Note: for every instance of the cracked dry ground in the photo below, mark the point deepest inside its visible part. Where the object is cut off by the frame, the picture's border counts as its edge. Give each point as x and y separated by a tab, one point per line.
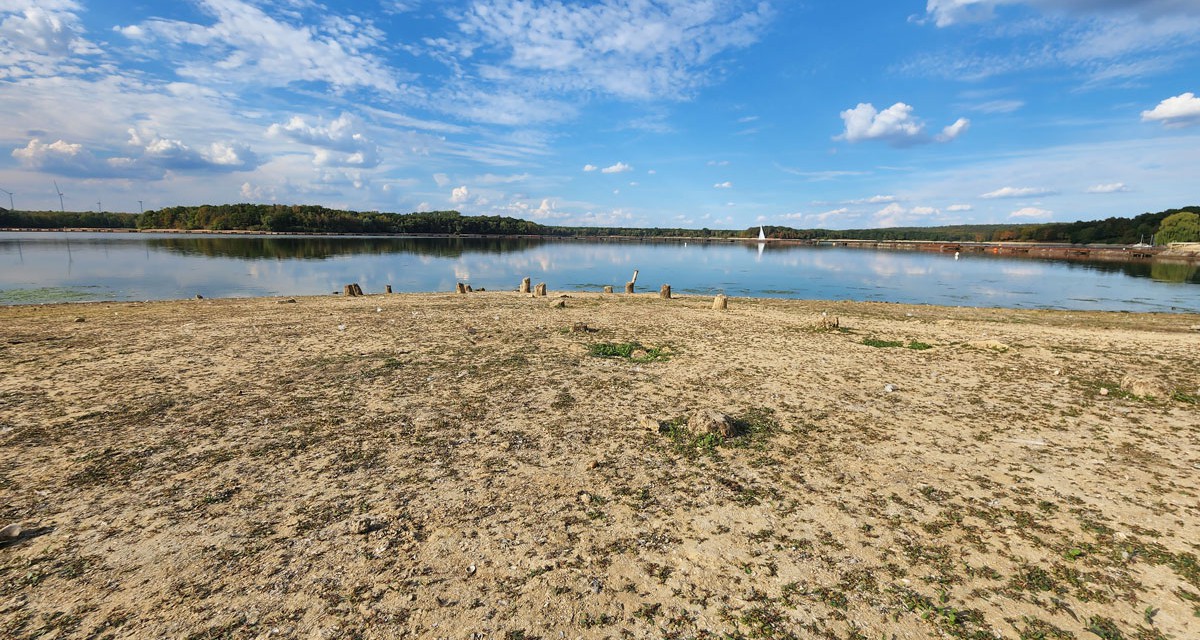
464	467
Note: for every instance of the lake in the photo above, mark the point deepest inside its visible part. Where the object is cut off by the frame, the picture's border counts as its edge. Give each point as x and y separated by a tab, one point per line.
57	266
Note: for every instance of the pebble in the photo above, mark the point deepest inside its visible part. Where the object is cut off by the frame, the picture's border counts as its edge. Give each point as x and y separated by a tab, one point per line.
471	570
890	388
11	532
79	320
1103	391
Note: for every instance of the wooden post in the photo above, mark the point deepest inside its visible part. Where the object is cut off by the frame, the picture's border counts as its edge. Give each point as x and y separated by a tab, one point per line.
460	287
665	292
540	290
525	285
469	289
608	289
720	303
357	289
348	291
387	289
628	287
633	280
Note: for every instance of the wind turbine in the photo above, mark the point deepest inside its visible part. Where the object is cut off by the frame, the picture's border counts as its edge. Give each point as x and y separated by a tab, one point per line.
10	200
61	206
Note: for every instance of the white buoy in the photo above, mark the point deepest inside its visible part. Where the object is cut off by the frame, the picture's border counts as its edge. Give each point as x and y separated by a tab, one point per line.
956	255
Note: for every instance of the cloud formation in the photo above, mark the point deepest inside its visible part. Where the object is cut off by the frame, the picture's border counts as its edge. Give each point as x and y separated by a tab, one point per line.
340	143
1031	212
1112	187
246	44
895	125
1175	112
619	167
630	49
1016	192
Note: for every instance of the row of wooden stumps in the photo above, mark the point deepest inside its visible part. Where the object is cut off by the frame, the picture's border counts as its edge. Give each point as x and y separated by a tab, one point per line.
352	290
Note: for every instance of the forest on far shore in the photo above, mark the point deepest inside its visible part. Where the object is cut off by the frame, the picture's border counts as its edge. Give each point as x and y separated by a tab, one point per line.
1183	225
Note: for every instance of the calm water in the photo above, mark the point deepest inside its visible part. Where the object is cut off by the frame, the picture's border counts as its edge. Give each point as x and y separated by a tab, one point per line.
47	267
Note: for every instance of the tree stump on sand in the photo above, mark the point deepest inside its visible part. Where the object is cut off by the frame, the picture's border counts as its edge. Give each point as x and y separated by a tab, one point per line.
348	291
628	287
721	302
387	289
665	292
357	289
525	285
828	323
460	287
469	289
540	290
608	289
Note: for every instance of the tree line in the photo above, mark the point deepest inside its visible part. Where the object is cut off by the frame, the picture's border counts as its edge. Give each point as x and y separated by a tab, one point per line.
1172	225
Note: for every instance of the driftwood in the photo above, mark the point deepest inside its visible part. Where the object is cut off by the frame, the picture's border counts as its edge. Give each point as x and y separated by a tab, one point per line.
665	292
525	285
721	302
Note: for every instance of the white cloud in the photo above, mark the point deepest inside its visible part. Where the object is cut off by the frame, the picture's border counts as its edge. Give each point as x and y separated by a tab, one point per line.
1177	111
876	199
626	48
949	12
1112	187
175	155
925	211
997	106
246	44
441	179
959	207
953	131
895	125
619	167
723	185
1016	192
460	195
590	167
717	163
1031	212
341	143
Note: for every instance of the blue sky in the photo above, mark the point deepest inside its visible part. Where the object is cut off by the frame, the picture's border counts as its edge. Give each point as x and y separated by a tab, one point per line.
709	113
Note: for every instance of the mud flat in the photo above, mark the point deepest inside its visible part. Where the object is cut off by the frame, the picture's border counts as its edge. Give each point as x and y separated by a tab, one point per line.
489	466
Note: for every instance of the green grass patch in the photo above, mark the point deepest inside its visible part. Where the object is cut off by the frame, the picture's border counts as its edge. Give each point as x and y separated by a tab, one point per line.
633	351
896	344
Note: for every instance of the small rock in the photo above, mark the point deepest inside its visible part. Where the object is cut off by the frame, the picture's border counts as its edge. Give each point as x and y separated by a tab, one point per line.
890	388
650	424
79	320
1103	391
11	532
1144	386
341	327
199	297
559	304
288	301
708	421
362	526
471	570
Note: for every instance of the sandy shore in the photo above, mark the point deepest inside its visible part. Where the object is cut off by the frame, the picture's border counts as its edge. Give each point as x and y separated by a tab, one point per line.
463	466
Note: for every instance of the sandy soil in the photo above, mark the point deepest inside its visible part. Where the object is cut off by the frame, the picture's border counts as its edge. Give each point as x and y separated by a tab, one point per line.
463	466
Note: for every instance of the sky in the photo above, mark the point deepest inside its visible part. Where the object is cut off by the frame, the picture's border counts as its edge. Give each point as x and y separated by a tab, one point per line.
650	113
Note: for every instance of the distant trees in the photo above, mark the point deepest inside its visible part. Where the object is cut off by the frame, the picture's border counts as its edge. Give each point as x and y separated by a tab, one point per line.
1172	225
1179	227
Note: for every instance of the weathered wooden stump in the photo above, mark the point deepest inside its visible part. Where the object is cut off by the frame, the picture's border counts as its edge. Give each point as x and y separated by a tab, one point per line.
559	304
460	287
469	289
525	285
828	323
540	290
387	289
357	289
348	291
665	292
628	287
721	302
608	289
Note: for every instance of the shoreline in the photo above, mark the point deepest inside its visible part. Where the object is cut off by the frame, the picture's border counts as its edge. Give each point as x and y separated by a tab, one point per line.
1185	253
418	465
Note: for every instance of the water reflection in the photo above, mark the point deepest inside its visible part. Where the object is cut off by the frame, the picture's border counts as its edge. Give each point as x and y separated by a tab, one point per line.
145	266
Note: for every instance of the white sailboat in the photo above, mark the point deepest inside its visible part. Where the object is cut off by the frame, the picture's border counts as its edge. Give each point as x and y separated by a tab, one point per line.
762	237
